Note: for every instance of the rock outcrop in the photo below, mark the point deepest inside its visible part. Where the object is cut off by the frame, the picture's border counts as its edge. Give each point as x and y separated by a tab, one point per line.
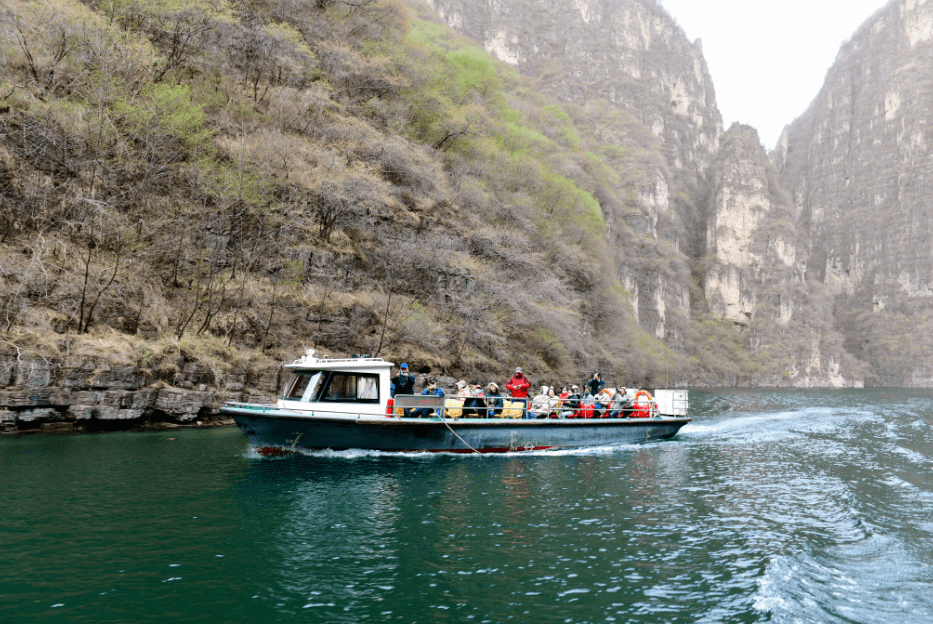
755	273
37	393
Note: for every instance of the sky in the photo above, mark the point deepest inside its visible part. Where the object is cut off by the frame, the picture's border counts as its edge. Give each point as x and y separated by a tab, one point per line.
768	58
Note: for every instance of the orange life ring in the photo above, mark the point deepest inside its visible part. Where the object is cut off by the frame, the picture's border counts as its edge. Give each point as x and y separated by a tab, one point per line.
642	408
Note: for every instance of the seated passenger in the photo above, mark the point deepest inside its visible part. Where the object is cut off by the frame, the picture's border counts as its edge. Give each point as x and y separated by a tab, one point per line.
494	400
587	406
628	402
553	404
430	390
603	403
540	405
571	403
474	406
618	404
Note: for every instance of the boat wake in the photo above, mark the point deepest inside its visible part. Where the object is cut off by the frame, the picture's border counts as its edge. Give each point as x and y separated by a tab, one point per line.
363	454
769	427
875	580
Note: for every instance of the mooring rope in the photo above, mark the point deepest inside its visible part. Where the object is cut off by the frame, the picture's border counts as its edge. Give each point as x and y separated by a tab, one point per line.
444	420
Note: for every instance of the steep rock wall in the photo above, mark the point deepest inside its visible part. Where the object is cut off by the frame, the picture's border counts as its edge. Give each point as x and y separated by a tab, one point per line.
858	163
755	273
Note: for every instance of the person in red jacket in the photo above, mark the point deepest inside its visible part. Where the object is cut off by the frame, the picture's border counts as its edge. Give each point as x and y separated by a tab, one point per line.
518	385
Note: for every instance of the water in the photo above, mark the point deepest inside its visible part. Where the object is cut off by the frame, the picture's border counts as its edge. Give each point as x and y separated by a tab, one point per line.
781	506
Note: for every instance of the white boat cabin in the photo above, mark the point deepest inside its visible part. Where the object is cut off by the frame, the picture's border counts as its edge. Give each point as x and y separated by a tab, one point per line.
346	387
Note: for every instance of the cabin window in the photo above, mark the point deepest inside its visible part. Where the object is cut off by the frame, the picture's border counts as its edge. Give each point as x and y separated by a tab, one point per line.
304	386
352	388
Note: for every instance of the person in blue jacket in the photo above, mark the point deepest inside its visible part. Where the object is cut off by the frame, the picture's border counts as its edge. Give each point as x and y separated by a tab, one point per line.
403	383
431	390
595	384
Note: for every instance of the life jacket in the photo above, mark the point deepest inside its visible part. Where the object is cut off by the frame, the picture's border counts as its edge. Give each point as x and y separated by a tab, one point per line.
585	411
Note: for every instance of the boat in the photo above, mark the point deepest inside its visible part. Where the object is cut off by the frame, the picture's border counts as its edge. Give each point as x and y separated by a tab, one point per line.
343	404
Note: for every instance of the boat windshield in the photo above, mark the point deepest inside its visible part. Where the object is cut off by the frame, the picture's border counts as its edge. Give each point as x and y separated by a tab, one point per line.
336	386
304	385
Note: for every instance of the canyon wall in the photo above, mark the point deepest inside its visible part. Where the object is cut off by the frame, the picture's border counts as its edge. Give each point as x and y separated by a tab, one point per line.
859	163
755	273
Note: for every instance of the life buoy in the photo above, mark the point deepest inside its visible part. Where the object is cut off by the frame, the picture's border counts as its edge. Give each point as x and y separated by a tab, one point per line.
642	405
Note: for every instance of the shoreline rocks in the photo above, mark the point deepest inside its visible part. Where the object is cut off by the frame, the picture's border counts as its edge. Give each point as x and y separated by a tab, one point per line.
92	395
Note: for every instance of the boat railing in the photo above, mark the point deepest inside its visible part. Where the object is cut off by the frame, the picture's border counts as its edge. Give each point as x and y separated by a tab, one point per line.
456	406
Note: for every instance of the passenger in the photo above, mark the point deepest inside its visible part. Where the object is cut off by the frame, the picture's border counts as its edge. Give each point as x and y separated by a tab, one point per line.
571	403
518	385
553	404
494	400
603	402
430	390
474	405
562	401
595	384
587	406
540	405
617	404
628	401
404	383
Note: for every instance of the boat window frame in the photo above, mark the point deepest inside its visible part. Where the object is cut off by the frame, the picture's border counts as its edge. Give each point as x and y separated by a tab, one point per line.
334	375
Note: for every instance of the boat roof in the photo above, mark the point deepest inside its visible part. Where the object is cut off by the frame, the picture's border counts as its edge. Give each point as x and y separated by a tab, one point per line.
311	361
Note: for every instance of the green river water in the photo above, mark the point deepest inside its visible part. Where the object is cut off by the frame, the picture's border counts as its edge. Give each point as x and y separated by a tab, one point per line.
783	506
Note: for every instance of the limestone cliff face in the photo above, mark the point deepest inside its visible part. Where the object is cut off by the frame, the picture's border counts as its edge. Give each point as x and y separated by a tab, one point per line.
858	163
743	232
632	55
755	273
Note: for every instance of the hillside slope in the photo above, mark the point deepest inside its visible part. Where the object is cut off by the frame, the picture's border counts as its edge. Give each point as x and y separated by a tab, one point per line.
231	183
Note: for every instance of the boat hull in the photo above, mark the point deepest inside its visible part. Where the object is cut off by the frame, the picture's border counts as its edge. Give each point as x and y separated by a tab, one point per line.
274	431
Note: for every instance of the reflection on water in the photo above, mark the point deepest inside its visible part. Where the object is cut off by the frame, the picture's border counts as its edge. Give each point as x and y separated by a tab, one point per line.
778	506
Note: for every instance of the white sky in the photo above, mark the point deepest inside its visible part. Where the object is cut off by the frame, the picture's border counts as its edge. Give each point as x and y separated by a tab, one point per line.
768	58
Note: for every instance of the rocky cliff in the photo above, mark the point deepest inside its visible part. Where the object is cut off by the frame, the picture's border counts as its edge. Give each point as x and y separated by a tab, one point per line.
858	163
755	273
